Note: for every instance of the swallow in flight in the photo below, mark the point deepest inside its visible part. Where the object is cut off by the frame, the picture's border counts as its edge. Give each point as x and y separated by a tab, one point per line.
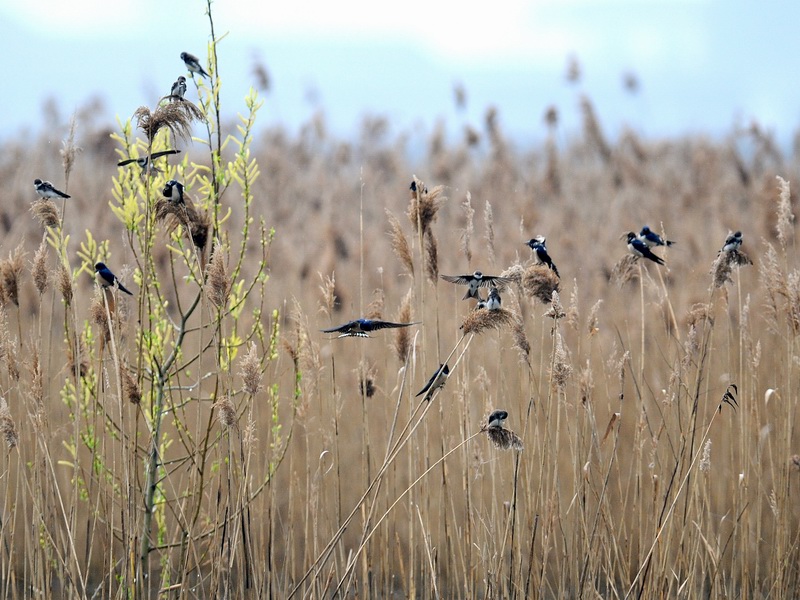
436	381
475	281
639	249
146	162
105	278
361	327
46	190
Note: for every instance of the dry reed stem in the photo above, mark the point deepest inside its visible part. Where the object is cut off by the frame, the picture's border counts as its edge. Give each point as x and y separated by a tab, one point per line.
7	426
39	271
400	245
423	205
402	336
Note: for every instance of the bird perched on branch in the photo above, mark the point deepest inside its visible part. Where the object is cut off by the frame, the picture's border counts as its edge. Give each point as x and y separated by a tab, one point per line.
105	278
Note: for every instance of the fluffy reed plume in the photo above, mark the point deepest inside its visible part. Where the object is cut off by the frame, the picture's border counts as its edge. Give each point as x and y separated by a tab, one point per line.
785	217
250	370
431	257
469	228
592	323
400	244
518	330
7	426
376	306
591	129
366	379
424	205
36	383
556	310
705	458
573	314
723	265
539	281
328	289
488	216
97	313
226	412
794	462
402	336
45	211
130	387
218	284
69	150
793	301
503	439
83	355
176	117
41	275
307	354
195	223
10	273
8	347
624	271
65	283
560	370
482	319
515	273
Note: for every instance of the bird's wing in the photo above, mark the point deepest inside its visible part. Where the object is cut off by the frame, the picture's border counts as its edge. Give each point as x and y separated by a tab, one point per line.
122	163
459	279
344	327
156	155
387	324
494	281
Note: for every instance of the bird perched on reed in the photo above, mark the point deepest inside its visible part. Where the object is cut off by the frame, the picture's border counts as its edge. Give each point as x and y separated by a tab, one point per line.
46	190
639	249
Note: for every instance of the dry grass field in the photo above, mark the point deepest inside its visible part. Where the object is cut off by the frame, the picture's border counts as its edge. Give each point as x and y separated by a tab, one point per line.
202	437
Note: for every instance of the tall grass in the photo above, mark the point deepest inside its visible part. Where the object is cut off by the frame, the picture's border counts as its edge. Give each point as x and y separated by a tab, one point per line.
203	438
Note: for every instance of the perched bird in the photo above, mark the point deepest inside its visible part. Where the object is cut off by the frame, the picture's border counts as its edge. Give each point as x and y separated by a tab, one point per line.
105	278
178	88
493	301
436	381
651	238
46	190
360	327
496	418
193	64
640	249
173	191
475	281
539	248
146	163
732	242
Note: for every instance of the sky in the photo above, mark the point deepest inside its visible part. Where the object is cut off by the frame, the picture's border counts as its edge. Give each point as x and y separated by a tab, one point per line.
703	66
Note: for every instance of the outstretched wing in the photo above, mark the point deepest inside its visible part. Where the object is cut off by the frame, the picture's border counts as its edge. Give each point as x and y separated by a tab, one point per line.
340	328
164	153
459	279
494	281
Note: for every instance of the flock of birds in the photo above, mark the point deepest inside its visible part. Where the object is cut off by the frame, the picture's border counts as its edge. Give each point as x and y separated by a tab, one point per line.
639	245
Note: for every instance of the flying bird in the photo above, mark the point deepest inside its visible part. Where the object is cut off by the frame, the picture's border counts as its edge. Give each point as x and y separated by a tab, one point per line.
193	64
732	242
46	190
651	238
173	191
496	419
436	381
493	301
105	278
539	248
638	248
475	281
146	163
361	327
178	88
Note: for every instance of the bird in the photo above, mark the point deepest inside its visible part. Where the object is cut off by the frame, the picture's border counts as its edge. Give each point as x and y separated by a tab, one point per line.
732	242
173	191
146	163
436	381
475	281
193	64
539	248
493	301
46	190
361	327
178	88
639	248
105	278
651	238
496	419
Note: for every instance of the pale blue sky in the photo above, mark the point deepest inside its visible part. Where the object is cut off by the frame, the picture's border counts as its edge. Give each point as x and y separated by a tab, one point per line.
703	65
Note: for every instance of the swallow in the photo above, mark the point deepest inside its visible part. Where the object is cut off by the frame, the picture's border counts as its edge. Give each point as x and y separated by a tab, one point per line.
639	248
651	238
46	190
146	163
413	188
493	301
539	248
173	191
178	88
732	242
436	381
105	278
496	419
193	64
361	327
475	281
